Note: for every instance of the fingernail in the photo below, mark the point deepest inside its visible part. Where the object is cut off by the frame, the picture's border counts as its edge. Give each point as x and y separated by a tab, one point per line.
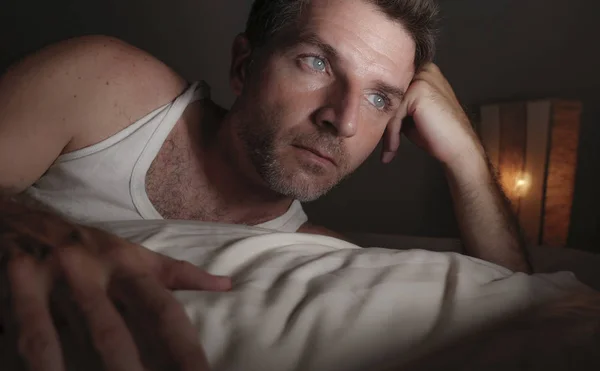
387	157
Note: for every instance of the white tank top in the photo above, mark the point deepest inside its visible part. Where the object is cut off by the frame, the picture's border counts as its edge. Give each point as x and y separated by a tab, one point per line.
107	181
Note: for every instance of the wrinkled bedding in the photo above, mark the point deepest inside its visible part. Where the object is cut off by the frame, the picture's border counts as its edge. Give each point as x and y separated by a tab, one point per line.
307	302
545	259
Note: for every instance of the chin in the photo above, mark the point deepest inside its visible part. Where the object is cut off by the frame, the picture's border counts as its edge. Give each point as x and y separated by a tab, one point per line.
296	175
302	184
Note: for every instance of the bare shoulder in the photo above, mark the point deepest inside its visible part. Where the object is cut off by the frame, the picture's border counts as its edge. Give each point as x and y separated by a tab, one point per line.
127	81
97	84
310	228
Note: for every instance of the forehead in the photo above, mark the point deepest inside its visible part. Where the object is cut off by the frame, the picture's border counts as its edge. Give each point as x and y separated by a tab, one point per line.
366	39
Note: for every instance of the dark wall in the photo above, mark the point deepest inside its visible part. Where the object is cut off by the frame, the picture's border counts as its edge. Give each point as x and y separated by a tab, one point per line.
585	220
501	49
490	50
192	36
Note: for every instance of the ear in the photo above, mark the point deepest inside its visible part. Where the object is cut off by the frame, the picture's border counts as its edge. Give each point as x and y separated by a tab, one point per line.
241	56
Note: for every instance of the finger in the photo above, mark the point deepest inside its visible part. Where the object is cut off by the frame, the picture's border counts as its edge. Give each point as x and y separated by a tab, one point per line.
174	274
181	275
161	313
38	341
391	141
110	336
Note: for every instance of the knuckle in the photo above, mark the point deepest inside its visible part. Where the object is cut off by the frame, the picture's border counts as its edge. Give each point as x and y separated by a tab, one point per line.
92	241
15	242
75	236
35	248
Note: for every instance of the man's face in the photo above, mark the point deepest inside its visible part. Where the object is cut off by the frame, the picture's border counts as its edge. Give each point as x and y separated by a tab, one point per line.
316	102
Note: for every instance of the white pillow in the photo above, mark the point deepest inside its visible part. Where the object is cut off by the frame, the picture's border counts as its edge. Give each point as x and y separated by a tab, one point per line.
307	302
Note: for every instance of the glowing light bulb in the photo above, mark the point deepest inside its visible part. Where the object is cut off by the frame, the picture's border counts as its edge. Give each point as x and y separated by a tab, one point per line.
522	184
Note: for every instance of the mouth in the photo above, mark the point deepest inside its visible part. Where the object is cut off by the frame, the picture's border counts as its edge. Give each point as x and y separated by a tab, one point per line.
318	153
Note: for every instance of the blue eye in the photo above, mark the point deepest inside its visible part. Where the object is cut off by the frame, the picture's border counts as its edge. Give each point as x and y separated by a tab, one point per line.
316	63
377	100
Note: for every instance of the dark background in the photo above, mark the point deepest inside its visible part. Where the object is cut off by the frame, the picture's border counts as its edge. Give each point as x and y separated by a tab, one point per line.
490	50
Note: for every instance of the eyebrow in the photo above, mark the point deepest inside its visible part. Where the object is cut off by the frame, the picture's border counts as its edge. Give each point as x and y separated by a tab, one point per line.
314	40
390	89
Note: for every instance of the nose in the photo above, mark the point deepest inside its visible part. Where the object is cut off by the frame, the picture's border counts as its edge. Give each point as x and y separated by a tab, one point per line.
341	112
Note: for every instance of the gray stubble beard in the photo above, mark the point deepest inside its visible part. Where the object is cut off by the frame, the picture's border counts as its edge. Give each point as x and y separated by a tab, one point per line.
259	142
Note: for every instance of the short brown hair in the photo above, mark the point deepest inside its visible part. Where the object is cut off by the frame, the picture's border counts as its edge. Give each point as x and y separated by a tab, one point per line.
419	17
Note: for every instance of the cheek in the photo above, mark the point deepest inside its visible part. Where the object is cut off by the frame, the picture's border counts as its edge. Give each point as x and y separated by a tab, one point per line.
282	79
293	96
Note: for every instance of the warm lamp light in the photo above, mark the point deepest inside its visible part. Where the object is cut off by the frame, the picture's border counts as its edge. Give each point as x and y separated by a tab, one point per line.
522	184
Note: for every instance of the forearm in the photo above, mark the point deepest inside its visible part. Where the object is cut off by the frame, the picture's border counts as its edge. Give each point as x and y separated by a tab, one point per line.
488	227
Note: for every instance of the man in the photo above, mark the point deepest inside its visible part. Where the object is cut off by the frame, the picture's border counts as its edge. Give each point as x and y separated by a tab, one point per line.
98	130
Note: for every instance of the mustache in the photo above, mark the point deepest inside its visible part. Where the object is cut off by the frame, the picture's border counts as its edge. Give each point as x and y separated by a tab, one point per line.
328	143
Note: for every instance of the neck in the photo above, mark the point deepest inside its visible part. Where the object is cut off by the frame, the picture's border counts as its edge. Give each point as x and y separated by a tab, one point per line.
229	177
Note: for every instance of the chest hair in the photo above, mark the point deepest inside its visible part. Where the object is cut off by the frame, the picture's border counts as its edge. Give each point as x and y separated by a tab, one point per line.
175	184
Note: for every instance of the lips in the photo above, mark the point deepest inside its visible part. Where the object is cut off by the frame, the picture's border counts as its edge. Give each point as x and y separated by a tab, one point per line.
318	152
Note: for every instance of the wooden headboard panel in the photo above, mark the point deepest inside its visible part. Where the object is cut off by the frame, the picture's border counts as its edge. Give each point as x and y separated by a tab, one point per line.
533	146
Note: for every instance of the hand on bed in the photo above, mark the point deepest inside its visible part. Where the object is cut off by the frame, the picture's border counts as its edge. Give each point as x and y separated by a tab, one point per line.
116	292
432	118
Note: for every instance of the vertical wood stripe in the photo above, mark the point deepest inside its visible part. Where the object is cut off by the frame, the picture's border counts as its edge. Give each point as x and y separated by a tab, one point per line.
489	132
536	154
560	183
513	139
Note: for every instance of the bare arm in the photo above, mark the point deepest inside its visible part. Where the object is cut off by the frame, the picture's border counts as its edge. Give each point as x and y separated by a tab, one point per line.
489	229
71	95
441	127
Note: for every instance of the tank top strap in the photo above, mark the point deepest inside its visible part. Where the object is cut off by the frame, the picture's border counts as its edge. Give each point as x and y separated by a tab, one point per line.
197	91
291	221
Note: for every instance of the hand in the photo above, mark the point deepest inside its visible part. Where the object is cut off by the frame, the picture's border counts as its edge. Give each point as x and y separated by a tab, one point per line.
439	125
41	253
